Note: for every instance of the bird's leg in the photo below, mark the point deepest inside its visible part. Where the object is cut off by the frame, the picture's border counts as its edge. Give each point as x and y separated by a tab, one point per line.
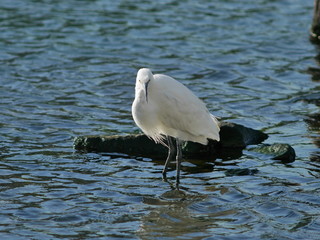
178	158
171	154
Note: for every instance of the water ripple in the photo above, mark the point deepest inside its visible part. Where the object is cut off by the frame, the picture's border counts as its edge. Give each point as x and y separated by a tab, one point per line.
68	69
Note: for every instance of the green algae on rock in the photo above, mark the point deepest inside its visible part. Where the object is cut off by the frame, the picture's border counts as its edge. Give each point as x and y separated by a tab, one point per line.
279	151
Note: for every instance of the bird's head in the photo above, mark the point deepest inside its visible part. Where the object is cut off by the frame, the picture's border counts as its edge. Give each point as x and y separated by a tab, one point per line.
144	76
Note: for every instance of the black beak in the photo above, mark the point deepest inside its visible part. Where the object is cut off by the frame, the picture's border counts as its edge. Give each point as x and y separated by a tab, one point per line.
146	89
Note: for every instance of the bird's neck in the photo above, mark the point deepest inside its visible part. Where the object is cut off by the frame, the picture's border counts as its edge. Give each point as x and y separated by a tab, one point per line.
140	95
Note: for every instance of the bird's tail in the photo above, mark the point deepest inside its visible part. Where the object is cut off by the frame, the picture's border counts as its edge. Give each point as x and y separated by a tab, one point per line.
216	129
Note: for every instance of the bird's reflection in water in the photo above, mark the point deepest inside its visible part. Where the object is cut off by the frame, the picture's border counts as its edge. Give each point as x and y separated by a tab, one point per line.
179	213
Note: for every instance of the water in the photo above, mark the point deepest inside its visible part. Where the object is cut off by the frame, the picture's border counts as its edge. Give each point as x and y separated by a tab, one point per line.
68	69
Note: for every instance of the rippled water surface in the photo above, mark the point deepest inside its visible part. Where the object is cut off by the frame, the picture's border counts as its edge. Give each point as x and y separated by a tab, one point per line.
68	69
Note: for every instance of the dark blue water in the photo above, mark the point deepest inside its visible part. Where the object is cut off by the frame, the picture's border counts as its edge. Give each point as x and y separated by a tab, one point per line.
67	68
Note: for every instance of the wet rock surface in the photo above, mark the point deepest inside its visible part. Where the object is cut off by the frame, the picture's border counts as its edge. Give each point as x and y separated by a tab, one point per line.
278	151
234	138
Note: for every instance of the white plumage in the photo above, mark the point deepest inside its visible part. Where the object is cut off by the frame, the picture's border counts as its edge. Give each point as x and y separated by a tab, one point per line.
164	107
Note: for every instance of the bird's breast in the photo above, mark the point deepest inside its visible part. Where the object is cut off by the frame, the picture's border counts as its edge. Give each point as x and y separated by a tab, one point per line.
142	113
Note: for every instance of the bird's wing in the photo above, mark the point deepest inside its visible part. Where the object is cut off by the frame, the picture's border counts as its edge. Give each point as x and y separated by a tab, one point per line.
180	109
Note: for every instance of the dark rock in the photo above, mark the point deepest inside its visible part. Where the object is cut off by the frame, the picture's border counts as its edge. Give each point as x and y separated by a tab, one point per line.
238	136
137	145
315	28
279	151
313	121
233	136
314	71
197	150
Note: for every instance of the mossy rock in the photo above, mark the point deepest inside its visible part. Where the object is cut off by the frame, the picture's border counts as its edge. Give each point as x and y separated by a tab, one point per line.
279	151
233	138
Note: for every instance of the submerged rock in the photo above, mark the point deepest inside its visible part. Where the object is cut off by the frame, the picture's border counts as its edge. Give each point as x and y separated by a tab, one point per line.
278	151
234	138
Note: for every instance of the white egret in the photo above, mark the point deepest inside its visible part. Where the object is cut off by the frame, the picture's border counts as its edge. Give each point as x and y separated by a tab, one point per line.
165	108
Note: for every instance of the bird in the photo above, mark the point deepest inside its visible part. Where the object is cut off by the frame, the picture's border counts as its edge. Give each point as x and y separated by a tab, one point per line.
169	113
